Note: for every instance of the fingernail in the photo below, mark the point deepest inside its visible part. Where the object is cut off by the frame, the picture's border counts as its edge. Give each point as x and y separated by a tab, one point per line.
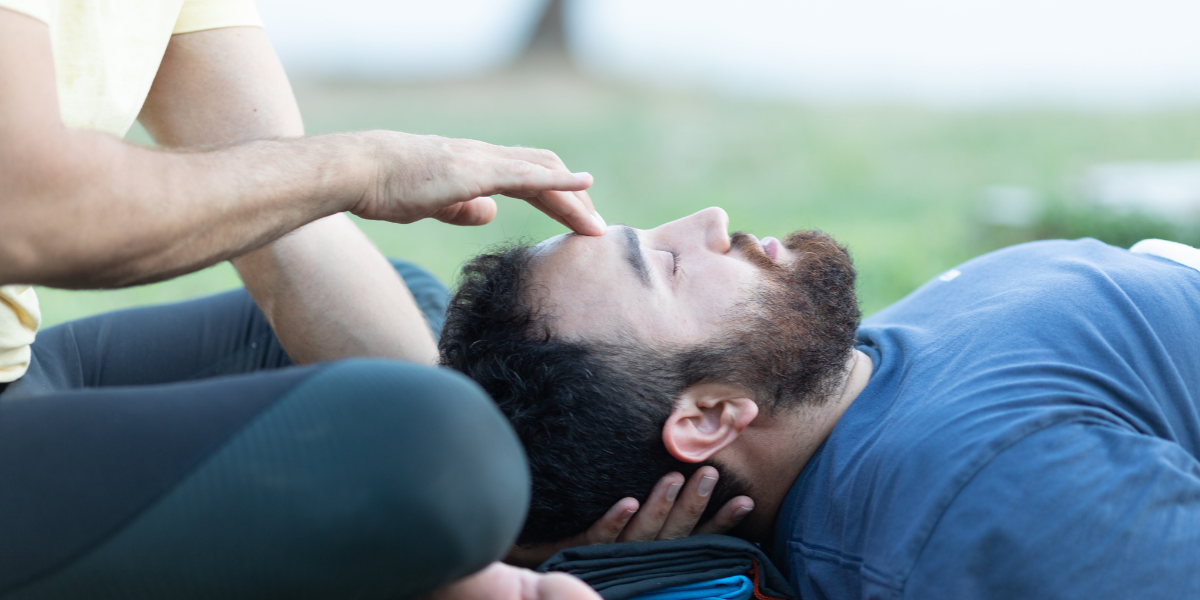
600	220
673	491
741	512
706	486
582	175
625	516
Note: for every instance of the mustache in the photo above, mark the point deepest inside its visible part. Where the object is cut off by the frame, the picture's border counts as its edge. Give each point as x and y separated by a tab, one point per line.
744	243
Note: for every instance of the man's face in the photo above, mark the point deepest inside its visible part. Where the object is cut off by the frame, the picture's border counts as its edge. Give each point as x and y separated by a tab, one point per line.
676	285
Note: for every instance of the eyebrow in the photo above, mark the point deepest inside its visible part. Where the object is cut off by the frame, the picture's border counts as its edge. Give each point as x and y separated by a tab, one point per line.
633	255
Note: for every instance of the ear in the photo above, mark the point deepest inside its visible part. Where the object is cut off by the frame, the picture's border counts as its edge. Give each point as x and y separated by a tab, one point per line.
707	418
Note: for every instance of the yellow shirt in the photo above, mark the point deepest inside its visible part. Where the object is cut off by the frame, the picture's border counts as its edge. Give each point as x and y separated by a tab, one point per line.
106	53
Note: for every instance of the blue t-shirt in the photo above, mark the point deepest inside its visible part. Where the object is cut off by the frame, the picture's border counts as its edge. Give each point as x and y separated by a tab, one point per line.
1030	431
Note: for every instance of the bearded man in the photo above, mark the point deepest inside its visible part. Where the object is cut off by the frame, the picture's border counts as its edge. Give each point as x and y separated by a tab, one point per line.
1023	426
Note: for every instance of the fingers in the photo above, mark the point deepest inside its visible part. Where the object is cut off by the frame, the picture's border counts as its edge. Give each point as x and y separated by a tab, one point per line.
606	530
421	176
477	211
609	528
728	517
648	521
690	505
552	187
537	203
556	203
551	161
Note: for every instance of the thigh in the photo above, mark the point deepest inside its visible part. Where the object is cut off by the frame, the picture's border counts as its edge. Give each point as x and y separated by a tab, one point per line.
217	335
363	478
224	334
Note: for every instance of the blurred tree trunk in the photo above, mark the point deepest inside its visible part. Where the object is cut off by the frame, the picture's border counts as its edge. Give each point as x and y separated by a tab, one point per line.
547	46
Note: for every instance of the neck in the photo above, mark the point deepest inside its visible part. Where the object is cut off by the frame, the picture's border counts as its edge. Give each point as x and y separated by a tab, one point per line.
772	451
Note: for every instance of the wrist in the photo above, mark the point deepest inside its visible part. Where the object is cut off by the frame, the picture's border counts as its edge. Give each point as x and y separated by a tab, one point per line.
345	165
360	161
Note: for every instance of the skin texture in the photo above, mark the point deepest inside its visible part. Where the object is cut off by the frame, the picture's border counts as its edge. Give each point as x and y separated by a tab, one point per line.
82	209
697	281
672	511
502	581
768	449
226	86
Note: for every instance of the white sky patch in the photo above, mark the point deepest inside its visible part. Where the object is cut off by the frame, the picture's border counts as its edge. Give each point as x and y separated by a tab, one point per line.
951	53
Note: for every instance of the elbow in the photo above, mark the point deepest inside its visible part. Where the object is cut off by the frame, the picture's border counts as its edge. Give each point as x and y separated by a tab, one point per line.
19	255
30	216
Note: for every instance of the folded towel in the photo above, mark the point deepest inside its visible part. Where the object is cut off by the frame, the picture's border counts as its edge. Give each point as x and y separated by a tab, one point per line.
738	587
622	571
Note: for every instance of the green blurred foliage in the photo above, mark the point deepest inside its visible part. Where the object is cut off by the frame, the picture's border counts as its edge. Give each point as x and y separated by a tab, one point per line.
900	186
1122	229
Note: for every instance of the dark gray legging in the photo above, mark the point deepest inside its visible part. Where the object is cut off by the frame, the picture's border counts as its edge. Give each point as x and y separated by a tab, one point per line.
173	452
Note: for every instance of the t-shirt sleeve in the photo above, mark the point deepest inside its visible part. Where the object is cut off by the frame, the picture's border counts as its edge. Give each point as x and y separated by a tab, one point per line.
198	15
38	9
1074	511
20	318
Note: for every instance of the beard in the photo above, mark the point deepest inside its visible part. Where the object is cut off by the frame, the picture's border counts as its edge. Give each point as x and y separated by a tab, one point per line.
790	342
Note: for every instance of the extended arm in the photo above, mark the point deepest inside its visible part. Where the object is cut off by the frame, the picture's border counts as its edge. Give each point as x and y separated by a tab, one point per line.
326	290
82	209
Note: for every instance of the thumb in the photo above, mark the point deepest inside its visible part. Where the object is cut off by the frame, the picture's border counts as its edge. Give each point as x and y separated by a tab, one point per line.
560	586
476	211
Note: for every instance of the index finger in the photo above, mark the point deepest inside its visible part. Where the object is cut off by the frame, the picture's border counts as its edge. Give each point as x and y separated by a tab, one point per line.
573	209
550	160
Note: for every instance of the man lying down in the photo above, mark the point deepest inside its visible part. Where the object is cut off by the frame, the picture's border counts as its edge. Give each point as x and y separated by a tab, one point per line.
1023	426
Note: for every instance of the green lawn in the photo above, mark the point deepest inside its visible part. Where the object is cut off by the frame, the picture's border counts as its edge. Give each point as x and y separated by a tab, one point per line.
899	186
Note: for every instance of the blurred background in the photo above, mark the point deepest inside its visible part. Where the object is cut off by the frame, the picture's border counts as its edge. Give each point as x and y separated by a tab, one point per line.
918	132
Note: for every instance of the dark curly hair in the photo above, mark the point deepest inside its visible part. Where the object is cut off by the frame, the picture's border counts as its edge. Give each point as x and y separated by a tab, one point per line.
590	415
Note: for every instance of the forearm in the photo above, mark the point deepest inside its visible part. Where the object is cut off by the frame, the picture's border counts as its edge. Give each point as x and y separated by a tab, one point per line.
330	294
105	213
325	289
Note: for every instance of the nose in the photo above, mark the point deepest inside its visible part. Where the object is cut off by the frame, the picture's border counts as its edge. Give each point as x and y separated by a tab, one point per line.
708	228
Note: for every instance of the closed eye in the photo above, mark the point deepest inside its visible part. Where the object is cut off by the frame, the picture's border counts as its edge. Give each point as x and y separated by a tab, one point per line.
674	262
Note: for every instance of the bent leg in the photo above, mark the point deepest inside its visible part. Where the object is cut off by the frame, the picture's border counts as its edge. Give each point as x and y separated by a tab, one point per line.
360	479
224	334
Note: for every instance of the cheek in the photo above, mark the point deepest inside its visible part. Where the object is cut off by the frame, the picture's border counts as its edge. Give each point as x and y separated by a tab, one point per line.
714	296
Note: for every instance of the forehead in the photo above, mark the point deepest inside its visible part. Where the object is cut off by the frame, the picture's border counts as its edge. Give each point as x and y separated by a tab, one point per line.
592	290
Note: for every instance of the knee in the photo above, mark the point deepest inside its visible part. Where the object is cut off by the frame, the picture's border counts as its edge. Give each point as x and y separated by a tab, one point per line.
442	451
366	479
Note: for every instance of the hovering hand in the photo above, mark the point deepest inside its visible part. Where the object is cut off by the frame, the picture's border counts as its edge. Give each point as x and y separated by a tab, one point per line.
672	511
422	176
499	581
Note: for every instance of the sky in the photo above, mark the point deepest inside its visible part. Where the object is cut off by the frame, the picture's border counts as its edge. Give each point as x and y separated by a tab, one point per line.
936	52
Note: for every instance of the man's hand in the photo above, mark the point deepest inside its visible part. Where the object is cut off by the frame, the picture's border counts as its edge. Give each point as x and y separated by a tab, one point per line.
420	176
672	511
499	581
82	209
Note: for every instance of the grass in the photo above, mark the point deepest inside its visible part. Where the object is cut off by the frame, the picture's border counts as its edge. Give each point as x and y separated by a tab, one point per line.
899	186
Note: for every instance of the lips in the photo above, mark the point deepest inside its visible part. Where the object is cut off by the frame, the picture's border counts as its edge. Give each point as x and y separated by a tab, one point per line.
770	247
765	252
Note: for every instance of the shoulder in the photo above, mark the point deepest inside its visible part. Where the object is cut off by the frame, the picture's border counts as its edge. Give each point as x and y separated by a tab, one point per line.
1042	292
863	508
1055	514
